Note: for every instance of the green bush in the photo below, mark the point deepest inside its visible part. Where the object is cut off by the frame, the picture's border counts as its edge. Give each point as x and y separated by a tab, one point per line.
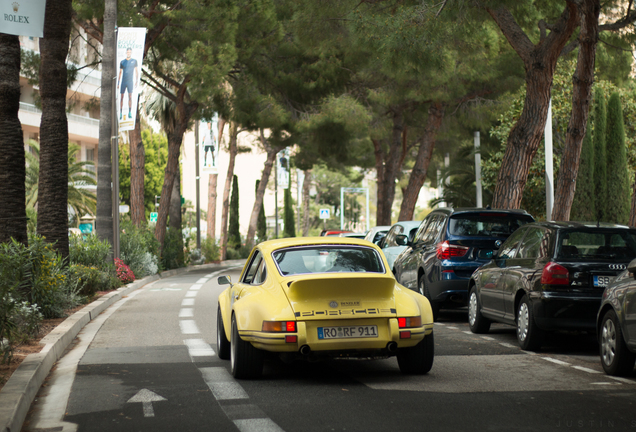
172	255
240	253
91	279
139	249
90	251
210	250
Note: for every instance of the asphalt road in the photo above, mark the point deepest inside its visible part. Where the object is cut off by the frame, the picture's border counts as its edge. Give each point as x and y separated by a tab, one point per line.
148	363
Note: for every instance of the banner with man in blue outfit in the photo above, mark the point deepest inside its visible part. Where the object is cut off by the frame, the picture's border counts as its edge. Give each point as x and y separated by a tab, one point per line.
130	52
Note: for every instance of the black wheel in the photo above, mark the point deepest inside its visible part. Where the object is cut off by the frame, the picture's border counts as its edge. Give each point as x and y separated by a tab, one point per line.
423	289
476	321
417	360
615	357
246	361
530	336
222	344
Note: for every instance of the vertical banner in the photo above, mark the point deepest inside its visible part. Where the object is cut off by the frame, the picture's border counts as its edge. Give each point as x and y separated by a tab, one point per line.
22	17
209	147
282	160
130	56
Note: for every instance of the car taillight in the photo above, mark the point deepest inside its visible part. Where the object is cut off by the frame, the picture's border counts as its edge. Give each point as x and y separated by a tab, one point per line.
279	326
446	250
555	274
409	322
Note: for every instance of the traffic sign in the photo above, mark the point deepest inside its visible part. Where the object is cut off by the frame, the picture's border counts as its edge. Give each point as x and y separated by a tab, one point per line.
324	213
153	216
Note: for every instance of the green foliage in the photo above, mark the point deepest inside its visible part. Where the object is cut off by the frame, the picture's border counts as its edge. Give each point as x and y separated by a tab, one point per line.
90	251
233	234
239	253
156	159
210	250
600	155
91	279
618	181
288	215
172	254
583	206
139	249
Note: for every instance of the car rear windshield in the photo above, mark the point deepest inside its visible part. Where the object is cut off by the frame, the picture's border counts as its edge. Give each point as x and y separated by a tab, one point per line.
597	244
486	224
326	259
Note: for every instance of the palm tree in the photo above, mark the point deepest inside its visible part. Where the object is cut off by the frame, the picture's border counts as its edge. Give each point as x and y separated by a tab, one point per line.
80	199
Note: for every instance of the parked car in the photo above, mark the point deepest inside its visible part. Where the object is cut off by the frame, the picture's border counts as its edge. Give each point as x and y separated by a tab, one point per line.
616	324
333	232
444	253
316	298
549	276
353	235
389	243
375	234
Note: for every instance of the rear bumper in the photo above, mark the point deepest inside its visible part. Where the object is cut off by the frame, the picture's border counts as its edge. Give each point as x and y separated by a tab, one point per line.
307	335
451	291
554	311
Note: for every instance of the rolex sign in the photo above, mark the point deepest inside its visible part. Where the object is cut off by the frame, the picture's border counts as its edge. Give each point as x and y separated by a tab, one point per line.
22	17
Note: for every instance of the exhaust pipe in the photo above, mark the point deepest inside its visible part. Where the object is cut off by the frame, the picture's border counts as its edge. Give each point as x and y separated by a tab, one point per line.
391	347
305	350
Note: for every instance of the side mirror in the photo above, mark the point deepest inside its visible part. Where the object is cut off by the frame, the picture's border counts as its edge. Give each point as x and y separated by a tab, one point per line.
224	280
631	267
402	240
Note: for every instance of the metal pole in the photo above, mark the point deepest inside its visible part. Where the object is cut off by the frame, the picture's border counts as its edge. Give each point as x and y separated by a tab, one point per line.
196	162
276	197
478	169
115	153
549	167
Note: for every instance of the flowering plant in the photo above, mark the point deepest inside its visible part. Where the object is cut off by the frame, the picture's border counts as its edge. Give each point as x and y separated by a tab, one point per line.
124	273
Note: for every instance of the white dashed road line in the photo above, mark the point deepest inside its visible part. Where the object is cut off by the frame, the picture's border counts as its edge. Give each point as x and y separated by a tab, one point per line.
196	287
559	362
186	313
187	302
507	345
221	383
623	380
588	370
198	348
202	281
257	425
191	294
189	327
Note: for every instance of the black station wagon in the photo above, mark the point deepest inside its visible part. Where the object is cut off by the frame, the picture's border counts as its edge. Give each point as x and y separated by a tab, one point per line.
549	276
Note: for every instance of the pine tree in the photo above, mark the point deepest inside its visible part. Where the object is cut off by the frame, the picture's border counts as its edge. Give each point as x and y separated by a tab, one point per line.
583	207
234	236
261	223
288	215
618	191
600	157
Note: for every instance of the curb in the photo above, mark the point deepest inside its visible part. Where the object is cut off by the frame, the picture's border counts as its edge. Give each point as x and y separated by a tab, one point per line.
22	387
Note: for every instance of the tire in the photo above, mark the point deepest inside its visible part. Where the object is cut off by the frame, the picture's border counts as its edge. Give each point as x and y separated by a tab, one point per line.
417	360
222	344
246	362
530	336
476	321
423	289
616	359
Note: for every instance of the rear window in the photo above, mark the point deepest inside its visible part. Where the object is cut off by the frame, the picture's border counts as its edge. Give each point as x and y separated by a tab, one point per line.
597	245
327	259
486	224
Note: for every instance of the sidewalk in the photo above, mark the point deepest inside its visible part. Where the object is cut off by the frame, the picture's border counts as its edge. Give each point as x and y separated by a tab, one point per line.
20	390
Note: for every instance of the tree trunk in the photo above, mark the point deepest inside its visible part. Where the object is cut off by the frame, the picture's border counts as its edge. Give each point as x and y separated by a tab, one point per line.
539	62
388	166
53	180
104	213
212	183
424	154
13	220
632	213
260	193
228	185
137	175
306	186
175	202
581	92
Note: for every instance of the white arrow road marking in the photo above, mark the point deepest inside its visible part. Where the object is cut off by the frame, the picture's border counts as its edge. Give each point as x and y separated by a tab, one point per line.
146	397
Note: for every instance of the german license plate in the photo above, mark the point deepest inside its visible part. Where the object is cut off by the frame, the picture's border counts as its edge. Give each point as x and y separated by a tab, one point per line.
345	332
603	281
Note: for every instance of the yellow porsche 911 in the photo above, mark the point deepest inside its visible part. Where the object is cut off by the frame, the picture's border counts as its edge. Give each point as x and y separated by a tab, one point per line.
319	298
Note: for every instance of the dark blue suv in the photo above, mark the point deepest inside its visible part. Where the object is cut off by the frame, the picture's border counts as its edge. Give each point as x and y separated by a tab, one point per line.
442	256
